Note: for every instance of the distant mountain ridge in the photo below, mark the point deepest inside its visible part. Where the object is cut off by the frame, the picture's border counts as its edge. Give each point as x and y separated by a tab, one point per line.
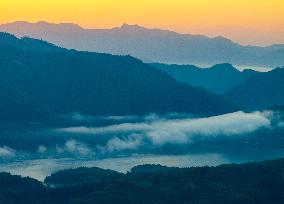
218	78
249	89
151	45
39	81
261	91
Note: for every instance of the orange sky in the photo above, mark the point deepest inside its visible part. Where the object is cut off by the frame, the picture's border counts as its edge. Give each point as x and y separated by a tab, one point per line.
264	16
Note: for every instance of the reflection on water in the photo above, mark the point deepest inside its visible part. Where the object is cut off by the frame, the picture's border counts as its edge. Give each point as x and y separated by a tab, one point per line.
41	168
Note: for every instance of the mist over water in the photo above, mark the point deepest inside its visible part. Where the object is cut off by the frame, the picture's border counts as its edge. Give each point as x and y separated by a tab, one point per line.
122	142
40	168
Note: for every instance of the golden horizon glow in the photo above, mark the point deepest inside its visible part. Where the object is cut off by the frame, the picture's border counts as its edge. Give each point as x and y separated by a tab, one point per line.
179	15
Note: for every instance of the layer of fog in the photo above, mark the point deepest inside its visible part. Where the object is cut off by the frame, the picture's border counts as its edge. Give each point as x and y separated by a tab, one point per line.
7	152
133	134
41	168
176	131
121	142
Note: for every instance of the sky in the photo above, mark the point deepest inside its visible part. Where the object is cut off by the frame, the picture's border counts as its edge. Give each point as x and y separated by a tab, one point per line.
260	20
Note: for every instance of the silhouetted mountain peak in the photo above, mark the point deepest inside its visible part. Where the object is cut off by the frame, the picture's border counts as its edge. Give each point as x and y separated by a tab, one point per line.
260	91
279	71
249	72
132	28
42	25
276	46
76	80
129	26
223	40
69	26
17	23
218	78
224	67
7	36
26	43
150	44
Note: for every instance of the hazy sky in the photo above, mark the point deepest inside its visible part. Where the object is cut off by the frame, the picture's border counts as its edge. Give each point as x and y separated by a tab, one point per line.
260	20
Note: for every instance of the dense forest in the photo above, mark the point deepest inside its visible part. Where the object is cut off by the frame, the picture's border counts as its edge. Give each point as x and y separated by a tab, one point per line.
249	89
217	79
40	81
261	91
184	105
252	183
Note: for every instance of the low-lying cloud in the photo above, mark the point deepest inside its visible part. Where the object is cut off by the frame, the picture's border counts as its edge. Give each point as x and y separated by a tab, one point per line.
7	152
180	131
78	117
117	144
71	146
74	147
41	149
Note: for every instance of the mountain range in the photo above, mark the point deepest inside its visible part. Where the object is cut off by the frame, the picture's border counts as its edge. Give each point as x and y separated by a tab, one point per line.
261	91
218	78
151	45
40	80
249	89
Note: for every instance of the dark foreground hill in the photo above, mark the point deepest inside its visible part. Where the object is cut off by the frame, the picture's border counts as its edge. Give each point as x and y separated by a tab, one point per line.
39	80
253	183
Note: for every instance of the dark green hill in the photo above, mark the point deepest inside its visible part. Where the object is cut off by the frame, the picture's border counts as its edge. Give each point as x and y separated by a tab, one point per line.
253	183
39	80
218	79
262	91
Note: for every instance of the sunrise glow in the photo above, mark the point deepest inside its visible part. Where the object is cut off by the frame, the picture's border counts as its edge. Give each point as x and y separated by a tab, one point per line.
180	15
